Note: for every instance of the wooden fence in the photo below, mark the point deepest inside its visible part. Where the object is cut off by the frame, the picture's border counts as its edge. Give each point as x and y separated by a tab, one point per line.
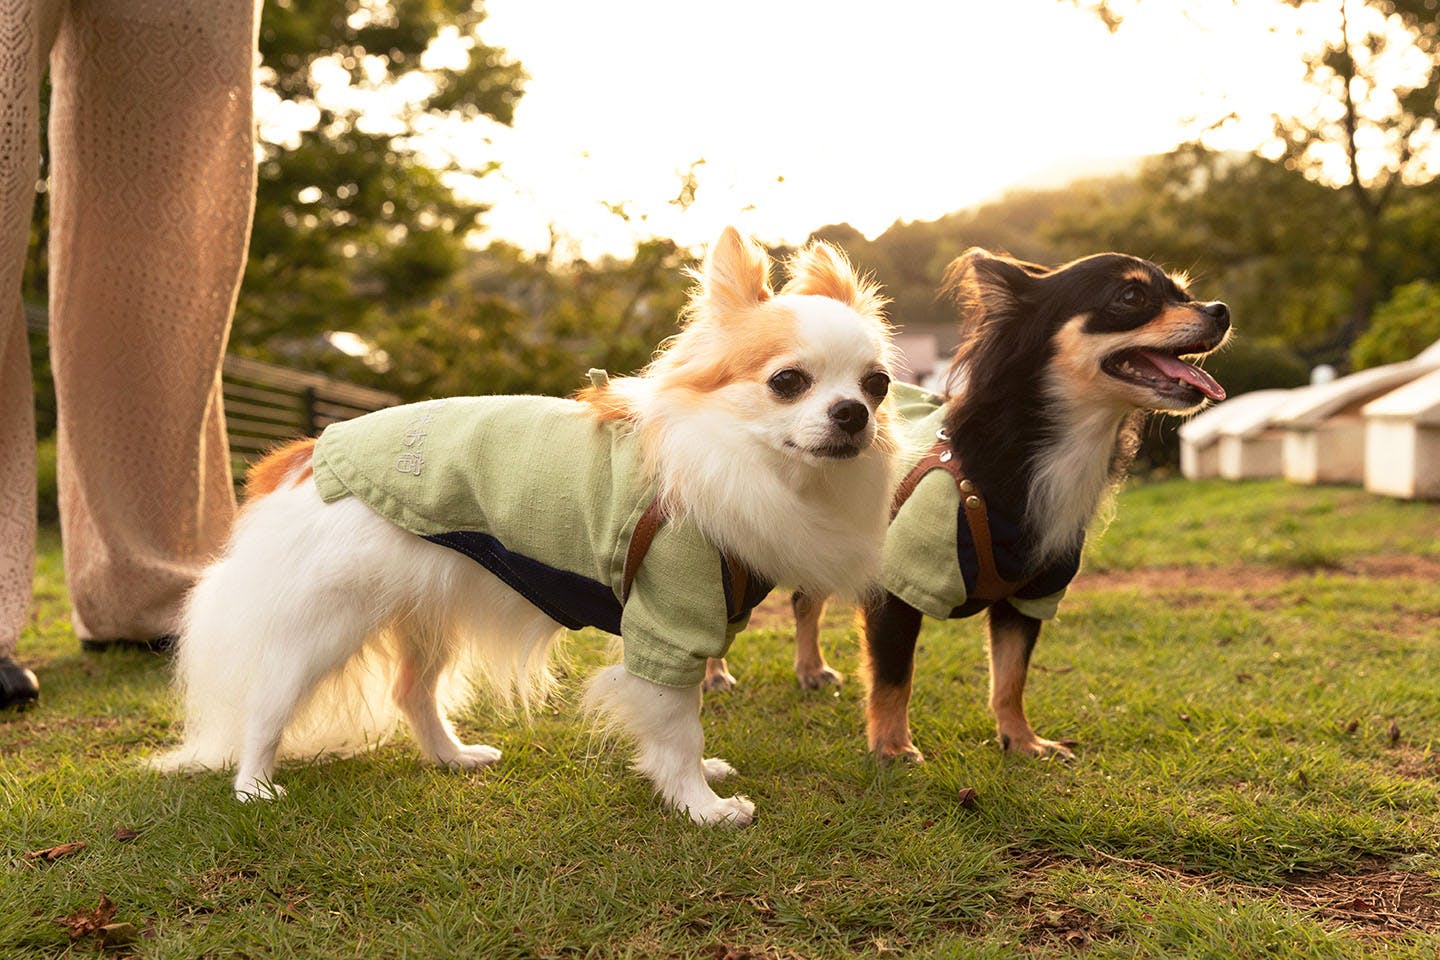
266	404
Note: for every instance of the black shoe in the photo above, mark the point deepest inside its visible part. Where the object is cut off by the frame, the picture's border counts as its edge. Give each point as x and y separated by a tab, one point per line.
154	645
18	686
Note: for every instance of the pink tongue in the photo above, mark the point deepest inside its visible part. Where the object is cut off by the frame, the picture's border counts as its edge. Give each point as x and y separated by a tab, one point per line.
1177	369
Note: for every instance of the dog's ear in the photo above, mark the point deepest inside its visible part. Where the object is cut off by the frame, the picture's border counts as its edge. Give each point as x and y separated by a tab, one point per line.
735	274
988	289
985	284
822	270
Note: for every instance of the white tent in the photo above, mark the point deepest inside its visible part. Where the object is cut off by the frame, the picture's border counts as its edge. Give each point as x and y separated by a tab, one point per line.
1324	433
1200	437
1402	439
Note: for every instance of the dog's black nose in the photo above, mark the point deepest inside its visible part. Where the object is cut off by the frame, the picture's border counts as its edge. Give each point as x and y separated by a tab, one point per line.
1218	312
850	416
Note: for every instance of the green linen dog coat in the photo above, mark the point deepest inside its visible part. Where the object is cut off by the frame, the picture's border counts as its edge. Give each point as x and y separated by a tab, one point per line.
930	555
546	497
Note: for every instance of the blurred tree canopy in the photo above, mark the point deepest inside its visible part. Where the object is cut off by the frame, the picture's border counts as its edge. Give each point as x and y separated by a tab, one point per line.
1372	131
364	227
352	225
358	230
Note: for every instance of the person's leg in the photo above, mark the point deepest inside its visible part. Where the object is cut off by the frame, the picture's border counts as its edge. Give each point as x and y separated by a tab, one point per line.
152	135
28	29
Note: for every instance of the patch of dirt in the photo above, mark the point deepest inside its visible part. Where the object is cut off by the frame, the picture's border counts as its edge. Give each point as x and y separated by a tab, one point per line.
1414	764
726	951
1248	576
1376	902
1178	586
1060	924
1372	900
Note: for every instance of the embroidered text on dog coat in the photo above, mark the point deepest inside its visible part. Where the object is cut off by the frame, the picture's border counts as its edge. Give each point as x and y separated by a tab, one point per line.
546	498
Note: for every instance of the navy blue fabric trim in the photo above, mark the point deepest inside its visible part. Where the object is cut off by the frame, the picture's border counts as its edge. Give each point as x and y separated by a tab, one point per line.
756	590
969	608
1005	537
965	557
568	598
1052	579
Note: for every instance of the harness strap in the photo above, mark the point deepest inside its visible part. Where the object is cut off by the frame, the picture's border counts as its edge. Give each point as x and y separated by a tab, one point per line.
641	537
989	585
645	529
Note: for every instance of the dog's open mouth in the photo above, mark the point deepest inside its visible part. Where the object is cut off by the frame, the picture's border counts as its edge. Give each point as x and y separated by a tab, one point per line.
1164	373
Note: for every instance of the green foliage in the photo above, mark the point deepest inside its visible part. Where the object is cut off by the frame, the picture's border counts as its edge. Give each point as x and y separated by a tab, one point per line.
1374	72
910	258
1403	326
352	230
1261	237
519	323
46	411
47	486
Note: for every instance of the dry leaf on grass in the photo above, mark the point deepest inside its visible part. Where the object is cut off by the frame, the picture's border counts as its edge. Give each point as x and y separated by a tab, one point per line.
82	923
55	853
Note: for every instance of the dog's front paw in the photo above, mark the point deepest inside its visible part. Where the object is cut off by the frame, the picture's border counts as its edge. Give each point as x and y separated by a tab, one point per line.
1032	746
716	769
258	790
903	752
819	677
471	757
724	811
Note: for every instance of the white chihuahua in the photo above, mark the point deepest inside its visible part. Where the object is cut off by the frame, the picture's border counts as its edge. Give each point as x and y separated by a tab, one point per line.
385	568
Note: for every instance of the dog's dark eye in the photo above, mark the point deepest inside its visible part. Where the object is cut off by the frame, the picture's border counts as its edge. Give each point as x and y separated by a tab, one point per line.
1133	295
789	383
875	385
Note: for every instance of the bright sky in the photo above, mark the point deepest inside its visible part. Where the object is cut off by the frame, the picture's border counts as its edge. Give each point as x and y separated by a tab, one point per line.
809	113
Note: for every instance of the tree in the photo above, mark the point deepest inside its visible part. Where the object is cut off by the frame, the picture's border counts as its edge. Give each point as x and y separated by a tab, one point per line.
1270	242
1404	325
515	322
1372	129
352	227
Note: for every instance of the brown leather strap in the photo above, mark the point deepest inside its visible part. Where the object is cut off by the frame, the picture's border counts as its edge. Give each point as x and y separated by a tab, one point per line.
645	528
988	583
938	457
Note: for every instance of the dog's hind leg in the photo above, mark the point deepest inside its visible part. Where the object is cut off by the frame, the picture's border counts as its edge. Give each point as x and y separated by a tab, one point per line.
415	689
1012	638
289	667
810	667
718	677
891	628
670	743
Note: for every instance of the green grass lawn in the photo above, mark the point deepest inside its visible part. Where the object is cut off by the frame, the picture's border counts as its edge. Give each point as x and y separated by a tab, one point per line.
1252	670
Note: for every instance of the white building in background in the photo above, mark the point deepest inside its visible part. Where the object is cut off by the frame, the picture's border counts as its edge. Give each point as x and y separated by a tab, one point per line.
1402	440
1323	430
1230	439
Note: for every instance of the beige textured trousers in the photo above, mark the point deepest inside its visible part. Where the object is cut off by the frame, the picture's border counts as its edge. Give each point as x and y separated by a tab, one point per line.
152	189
